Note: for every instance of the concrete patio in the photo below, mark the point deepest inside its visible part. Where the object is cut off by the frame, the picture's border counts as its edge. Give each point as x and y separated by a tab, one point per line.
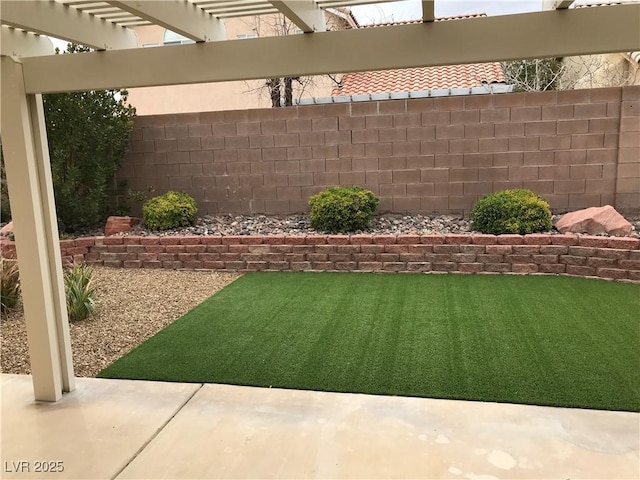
134	429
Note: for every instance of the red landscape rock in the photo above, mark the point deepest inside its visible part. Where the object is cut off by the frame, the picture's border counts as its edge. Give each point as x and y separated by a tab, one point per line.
119	224
6	230
595	221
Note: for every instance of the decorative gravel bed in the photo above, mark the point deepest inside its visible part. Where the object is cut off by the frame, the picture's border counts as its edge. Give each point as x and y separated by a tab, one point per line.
301	224
133	306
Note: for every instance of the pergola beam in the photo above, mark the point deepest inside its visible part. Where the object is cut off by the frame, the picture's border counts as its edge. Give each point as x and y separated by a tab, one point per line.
17	43
563	4
178	16
428	10
579	31
67	23
305	14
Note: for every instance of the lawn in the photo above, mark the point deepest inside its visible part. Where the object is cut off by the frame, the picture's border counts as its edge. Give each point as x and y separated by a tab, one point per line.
539	340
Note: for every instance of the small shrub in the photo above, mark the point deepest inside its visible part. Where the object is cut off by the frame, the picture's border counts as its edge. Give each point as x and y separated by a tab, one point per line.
511	211
81	293
171	210
10	291
342	209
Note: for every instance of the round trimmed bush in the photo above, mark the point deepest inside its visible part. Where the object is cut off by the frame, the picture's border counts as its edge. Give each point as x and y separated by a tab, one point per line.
342	209
171	210
511	211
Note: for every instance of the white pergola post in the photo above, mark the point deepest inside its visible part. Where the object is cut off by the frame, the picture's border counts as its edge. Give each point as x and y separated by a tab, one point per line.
26	158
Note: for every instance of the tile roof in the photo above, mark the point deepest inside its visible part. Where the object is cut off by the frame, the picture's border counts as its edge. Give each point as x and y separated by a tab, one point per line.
440	19
424	78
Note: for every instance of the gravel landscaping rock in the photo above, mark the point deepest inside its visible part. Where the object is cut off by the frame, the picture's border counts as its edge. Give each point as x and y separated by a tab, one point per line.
301	225
413	224
133	306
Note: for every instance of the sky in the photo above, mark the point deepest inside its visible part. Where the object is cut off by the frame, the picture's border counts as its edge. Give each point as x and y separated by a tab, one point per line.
412	9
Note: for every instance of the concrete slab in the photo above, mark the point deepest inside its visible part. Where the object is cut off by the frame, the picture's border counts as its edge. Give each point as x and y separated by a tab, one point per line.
241	432
92	432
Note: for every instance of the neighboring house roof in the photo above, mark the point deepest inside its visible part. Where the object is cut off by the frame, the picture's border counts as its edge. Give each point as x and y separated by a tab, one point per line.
415	79
440	19
346	14
425	78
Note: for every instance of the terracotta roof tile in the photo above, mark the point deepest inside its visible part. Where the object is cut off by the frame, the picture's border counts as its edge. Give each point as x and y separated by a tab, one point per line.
440	19
424	78
416	79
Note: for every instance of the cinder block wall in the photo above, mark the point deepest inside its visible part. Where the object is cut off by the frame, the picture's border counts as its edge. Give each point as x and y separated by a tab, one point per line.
577	148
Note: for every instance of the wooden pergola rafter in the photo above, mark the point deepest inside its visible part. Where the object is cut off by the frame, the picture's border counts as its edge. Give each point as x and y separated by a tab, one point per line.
29	69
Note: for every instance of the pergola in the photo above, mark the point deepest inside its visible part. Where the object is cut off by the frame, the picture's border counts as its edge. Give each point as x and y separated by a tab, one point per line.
29	69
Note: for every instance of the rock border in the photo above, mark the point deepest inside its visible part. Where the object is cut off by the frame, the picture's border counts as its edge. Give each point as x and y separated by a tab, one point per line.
616	258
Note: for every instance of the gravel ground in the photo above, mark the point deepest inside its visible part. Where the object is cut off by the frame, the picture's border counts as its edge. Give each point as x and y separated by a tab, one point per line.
133	306
301	224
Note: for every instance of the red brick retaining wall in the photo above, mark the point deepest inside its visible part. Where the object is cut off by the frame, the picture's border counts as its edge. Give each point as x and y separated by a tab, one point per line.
587	256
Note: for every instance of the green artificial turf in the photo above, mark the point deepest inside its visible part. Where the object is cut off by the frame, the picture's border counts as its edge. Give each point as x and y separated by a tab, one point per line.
521	339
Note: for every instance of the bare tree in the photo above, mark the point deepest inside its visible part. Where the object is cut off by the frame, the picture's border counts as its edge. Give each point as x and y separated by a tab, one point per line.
281	91
597	71
587	71
535	75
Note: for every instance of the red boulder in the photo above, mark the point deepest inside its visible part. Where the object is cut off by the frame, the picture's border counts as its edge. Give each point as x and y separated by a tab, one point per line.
595	221
119	224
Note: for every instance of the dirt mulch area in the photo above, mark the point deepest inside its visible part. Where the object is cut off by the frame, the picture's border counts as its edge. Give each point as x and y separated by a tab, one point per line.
133	306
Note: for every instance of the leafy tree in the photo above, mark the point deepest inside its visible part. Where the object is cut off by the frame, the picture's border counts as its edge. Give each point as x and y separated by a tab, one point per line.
88	134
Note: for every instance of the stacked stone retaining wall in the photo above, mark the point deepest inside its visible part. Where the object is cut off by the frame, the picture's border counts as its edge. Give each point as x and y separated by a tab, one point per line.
586	256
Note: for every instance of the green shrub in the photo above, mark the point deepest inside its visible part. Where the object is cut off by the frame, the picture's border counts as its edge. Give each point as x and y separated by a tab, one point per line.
511	211
342	209
171	210
81	293
10	291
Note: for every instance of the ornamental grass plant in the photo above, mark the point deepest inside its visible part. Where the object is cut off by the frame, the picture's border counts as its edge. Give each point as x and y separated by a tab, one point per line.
80	292
10	290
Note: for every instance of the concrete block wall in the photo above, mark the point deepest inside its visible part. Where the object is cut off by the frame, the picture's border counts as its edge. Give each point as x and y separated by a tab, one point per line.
628	174
577	148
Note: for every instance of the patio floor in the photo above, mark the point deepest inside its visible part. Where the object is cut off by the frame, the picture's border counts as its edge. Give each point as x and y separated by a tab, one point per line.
133	429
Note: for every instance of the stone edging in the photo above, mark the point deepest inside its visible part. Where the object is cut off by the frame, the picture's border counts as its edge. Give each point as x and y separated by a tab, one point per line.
615	258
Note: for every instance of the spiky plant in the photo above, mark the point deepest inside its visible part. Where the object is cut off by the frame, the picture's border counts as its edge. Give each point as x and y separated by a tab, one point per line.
81	293
10	291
